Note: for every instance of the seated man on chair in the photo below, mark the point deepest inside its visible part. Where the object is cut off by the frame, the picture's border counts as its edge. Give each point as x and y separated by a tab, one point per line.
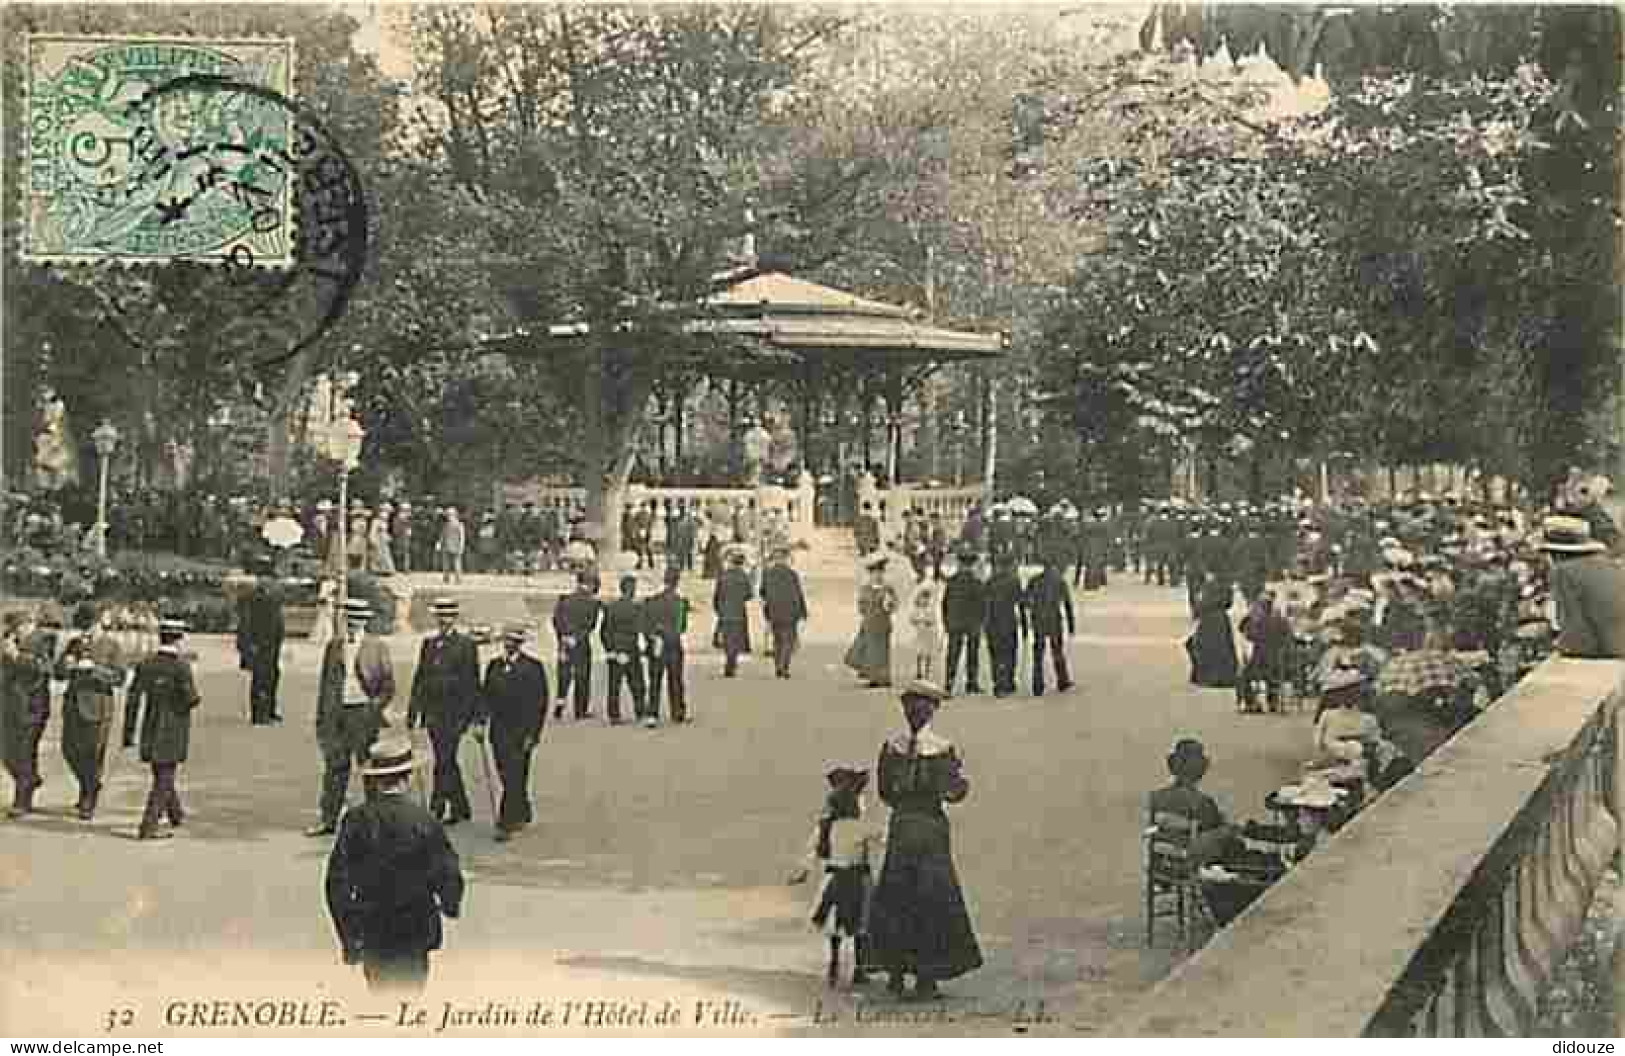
1217	841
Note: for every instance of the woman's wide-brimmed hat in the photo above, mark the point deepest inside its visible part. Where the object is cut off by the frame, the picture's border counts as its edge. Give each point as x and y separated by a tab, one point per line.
847	779
393	756
1569	535
1341	678
919	687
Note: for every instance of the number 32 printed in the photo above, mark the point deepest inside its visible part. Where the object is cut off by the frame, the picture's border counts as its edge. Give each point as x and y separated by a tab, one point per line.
120	1019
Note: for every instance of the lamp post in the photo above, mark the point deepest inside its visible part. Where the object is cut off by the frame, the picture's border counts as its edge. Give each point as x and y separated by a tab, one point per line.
344	447
106	439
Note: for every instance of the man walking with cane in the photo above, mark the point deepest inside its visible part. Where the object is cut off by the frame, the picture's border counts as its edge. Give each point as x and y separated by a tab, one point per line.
445	694
513	700
357	684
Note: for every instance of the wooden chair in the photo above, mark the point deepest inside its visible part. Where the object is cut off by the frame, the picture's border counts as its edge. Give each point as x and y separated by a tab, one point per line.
1172	888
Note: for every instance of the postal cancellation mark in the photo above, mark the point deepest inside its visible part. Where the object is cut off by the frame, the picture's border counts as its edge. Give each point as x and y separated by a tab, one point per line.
116	170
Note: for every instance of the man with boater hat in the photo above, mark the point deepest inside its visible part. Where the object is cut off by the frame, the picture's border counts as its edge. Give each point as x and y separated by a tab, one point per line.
513	700
575	617
445	694
964	606
391	876
164	687
357	684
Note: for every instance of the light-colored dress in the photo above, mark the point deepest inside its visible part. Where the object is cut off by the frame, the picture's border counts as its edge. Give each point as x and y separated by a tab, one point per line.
870	653
846	879
925	616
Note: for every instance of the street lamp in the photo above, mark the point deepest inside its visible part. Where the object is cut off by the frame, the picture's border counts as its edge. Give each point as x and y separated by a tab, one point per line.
343	445
106	438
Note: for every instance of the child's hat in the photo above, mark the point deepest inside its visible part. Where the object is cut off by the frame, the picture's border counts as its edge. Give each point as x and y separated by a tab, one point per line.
845	779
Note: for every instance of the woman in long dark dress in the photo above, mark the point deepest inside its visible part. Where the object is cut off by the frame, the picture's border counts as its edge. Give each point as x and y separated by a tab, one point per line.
1212	646
870	652
918	923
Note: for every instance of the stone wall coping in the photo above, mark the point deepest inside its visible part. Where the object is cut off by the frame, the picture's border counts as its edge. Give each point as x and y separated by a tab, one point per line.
1319	952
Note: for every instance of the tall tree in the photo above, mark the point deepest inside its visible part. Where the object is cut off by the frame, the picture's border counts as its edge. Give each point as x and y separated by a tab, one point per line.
616	151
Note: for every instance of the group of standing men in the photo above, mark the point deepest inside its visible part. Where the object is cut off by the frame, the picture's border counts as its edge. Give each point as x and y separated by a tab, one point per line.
448	697
1002	609
157	710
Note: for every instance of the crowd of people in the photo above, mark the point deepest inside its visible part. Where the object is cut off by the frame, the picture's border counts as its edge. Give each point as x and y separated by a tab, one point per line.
1400	619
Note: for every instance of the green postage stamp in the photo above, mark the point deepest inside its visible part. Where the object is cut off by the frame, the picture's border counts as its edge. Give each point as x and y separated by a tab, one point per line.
119	167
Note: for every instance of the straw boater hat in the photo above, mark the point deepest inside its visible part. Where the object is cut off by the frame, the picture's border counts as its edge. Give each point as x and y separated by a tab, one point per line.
389	757
515	632
444	607
169	625
357	609
1569	535
919	687
324	504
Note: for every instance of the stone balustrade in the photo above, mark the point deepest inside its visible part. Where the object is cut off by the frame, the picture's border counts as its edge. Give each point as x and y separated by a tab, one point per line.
797	502
1444	907
953	505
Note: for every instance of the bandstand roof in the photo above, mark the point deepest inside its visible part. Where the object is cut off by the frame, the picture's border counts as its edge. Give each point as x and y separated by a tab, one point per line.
806	324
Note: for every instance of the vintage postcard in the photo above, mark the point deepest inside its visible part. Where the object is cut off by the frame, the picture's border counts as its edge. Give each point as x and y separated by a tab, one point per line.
804	520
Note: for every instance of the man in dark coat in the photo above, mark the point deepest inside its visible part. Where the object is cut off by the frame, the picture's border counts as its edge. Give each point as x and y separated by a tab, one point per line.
575	617
391	876
1005	622
164	685
728	601
964	604
1588	587
513	699
445	694
1049	612
259	644
784	606
665	620
92	665
622	636
357	684
25	704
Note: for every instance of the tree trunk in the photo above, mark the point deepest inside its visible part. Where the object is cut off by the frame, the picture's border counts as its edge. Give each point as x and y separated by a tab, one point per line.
612	422
280	426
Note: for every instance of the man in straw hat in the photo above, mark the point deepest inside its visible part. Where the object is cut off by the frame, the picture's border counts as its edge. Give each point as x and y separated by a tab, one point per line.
445	694
357	684
513	699
391	876
1588	587
163	686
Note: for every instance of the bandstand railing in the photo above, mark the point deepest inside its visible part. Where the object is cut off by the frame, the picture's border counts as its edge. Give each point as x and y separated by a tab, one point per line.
1445	906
